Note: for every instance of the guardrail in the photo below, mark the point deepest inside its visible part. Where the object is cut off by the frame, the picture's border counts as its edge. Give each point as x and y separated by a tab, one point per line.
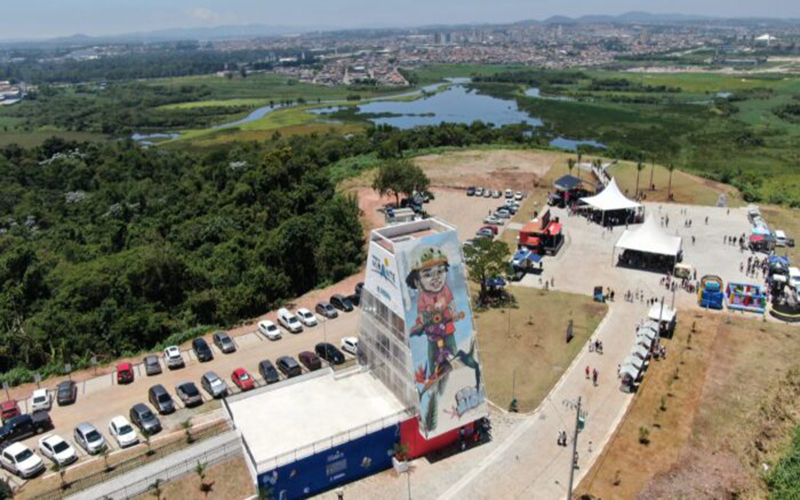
328	443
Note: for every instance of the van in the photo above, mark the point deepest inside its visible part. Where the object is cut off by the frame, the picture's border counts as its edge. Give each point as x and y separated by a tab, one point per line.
289	321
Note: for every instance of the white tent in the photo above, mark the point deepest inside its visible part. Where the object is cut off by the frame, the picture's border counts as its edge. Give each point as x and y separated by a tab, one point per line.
650	238
662	312
610	198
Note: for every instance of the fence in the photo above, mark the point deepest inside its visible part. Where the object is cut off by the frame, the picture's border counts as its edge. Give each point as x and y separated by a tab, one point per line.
134	463
328	443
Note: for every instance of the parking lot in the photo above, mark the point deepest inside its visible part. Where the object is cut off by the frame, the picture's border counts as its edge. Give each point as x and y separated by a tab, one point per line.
101	398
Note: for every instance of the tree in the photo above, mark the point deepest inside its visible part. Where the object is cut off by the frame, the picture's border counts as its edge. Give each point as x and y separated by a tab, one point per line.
485	259
400	177
570	165
156	487
187	428
580	157
670	167
147	441
639	168
105	452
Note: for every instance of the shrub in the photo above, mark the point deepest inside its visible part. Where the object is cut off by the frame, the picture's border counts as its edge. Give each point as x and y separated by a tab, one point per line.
644	435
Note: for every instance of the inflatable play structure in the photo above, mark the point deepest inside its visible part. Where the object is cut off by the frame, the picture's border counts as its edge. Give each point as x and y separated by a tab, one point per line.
709	293
743	297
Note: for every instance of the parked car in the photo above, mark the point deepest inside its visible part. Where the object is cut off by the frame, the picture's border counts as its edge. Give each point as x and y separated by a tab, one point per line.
213	385
89	438
359	287
326	310
487	193
307	317
224	342
496	194
124	373
120	429
202	350
160	399
289	321
20	460
310	360
503	213
518	196
509	193
189	394
268	371
40	400
9	409
288	366
350	344
493	220
144	418
329	353
242	379
269	330
478	191
66	392
493	229
152	366
24	426
57	449
354	299
341	302
484	233
471	191
173	358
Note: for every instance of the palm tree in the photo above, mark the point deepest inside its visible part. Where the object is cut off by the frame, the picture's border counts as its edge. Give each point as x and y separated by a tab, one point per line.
652	168
639	168
187	426
570	165
671	167
580	157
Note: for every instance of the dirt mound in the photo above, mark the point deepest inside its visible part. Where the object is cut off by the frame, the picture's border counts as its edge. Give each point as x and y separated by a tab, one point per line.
700	473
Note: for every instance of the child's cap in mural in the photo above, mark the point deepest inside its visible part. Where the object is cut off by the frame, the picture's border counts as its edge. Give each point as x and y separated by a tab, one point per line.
428	257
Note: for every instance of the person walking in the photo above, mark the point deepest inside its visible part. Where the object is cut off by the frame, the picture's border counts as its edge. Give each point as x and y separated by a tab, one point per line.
588	371
594	377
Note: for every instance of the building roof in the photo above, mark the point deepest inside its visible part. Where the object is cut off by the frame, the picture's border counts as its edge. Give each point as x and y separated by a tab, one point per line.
610	198
650	238
296	418
567	183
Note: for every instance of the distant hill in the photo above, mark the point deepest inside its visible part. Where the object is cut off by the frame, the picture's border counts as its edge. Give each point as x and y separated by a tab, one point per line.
628	17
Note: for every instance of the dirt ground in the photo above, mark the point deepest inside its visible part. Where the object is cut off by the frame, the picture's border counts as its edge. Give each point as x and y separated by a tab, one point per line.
230	480
714	414
523	350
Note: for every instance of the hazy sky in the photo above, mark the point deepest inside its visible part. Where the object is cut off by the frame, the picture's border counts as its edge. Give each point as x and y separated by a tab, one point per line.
47	18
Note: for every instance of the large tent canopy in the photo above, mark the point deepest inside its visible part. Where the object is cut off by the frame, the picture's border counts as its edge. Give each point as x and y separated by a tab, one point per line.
650	238
610	198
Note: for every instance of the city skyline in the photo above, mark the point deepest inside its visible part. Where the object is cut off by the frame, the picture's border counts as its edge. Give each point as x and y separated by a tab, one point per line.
38	19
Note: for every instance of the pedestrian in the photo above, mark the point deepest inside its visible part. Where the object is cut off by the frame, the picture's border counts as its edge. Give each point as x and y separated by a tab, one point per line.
706	220
340	493
612	295
619	371
588	370
692	239
594	376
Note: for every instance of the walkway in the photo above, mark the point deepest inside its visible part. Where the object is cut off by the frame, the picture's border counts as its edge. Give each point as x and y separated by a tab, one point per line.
137	481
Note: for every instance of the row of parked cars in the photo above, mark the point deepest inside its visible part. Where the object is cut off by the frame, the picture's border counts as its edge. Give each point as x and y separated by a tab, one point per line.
488	193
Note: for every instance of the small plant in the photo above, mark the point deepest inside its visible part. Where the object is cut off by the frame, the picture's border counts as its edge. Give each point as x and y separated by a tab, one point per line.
187	428
401	451
663	405
156	489
617	478
694	326
644	435
147	441
106	452
676	374
200	470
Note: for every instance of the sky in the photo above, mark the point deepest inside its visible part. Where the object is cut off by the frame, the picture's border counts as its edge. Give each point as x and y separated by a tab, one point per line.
29	19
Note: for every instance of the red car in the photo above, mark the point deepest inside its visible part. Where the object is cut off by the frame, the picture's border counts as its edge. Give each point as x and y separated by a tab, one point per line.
242	379
490	228
124	373
9	409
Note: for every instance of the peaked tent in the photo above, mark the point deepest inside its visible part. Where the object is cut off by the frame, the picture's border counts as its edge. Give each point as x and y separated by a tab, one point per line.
650	238
611	199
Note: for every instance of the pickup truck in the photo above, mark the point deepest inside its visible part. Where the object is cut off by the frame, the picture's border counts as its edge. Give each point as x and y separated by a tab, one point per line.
23	426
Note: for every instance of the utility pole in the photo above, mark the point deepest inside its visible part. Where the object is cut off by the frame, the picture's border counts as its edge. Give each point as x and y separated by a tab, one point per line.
574	455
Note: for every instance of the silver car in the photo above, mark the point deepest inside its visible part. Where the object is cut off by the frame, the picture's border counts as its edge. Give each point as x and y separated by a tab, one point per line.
189	394
213	385
89	438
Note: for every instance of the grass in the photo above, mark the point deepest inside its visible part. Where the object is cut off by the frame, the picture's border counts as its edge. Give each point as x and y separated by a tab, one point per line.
230	479
216	103
434	73
726	413
528	343
788	220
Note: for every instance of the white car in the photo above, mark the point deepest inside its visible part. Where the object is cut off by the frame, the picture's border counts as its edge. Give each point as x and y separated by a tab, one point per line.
493	220
20	460
289	321
173	358
57	449
518	196
503	213
478	191
269	330
307	317
122	430
40	400
350	344
509	193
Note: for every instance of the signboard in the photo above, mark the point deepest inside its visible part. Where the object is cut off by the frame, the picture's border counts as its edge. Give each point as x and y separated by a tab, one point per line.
382	279
440	333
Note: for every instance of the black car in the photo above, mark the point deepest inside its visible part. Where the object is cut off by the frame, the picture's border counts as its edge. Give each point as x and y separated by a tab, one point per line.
341	302
144	418
66	393
201	350
289	366
224	342
329	353
160	399
189	394
326	310
152	366
23	426
471	191
268	371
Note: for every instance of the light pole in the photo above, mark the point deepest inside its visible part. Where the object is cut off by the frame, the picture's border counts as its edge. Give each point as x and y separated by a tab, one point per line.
574	455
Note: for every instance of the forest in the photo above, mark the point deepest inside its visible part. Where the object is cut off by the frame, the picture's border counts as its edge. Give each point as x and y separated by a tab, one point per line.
110	248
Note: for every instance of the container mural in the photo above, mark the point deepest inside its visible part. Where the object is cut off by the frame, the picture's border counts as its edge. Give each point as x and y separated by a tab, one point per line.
440	333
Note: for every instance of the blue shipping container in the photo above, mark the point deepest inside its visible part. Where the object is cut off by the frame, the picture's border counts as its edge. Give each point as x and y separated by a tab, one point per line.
333	467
